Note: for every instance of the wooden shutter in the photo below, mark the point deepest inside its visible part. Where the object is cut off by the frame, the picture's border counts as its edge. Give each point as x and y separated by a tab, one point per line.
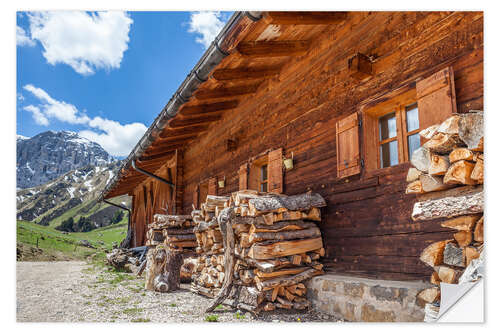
196	193
436	97
243	177
275	171
212	186
348	158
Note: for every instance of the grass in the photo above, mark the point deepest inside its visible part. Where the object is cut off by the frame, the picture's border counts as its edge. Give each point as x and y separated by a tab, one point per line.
140	320
212	318
55	242
132	311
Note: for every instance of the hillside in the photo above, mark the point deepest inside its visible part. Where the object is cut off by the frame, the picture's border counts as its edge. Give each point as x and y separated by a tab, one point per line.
50	154
41	243
71	195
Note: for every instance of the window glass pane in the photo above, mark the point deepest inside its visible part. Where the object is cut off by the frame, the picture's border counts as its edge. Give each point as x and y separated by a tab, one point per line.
389	154
263	187
412	117
263	173
387	126
413	143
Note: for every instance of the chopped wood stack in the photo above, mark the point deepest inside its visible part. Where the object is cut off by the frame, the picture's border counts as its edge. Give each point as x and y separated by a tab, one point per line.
175	231
209	270
169	236
450	165
274	245
452	156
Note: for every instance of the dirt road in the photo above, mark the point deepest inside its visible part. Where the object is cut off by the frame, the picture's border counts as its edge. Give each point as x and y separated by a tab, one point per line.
71	291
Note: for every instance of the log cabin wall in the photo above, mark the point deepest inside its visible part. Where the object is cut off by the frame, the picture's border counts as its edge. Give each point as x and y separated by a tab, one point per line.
366	227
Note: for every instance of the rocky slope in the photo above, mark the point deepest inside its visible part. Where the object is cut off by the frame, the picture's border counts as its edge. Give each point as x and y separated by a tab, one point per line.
71	195
50	154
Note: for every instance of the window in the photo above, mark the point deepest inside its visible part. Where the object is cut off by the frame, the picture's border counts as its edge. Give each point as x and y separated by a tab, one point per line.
391	132
263	178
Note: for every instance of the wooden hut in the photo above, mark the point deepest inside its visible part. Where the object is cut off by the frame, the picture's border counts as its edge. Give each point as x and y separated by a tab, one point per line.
345	94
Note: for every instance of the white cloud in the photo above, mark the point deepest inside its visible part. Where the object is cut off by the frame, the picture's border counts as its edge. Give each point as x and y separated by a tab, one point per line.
86	42
38	116
207	24
22	39
57	109
115	138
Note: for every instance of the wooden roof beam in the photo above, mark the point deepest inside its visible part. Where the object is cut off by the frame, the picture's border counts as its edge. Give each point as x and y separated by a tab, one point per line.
265	49
164	155
192	110
226	91
306	18
162	149
183	123
245	73
183	132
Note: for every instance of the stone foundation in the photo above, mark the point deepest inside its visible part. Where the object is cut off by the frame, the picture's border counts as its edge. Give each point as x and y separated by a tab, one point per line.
359	299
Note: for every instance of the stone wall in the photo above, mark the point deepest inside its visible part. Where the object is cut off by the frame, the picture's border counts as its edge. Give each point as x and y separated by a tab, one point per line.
359	299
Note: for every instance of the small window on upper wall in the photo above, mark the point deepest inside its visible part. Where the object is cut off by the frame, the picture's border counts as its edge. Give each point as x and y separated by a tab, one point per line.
391	131
263	178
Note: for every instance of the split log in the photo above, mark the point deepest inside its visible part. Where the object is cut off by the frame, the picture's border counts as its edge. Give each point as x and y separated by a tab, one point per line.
282	226
429	295
462	223
453	255
477	173
414	187
471	253
285	248
471	131
180	238
429	132
450	125
179	231
306	201
421	159
285	235
463	238
435	278
443	143
214	200
413	174
432	183
432	255
460	173
287	281
286	271
447	274
461	154
478	231
448	207
439	165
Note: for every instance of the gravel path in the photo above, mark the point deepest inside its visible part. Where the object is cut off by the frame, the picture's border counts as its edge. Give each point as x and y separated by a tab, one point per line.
71	291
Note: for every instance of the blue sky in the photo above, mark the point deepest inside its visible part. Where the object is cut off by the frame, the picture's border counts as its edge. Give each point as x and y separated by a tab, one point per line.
105	75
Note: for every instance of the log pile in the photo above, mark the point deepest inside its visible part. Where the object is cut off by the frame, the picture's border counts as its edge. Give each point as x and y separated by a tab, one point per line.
171	241
209	269
271	246
448	177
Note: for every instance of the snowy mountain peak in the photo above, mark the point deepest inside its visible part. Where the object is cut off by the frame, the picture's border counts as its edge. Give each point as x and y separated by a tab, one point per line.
22	137
50	154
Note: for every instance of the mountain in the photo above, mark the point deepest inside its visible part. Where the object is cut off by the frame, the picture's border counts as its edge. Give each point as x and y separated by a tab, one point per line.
50	154
73	194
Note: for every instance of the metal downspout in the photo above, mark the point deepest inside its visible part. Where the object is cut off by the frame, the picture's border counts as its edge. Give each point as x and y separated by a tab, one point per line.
129	215
149	174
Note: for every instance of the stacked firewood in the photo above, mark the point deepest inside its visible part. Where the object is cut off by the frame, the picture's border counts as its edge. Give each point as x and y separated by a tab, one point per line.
209	269
171	243
448	178
272	245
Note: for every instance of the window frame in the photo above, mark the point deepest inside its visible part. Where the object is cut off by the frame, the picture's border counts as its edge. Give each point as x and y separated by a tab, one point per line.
254	178
393	102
